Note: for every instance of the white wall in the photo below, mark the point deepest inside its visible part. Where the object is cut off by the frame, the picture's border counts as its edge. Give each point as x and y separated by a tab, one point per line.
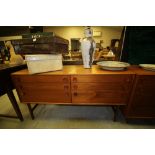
67	32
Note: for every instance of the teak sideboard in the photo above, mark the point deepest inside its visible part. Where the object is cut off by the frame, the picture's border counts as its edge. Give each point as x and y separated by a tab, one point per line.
131	89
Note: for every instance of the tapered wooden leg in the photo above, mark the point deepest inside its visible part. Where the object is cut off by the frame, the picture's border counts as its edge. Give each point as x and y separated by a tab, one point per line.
14	104
31	111
127	120
115	109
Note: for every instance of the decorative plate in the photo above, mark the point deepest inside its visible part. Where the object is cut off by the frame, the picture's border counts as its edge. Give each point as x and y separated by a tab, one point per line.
150	67
113	65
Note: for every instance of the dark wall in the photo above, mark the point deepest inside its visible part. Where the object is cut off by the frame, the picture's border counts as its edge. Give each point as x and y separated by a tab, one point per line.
139	45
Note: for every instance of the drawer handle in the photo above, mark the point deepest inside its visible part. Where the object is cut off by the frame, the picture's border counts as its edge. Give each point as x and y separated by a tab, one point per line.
66	87
75	87
75	94
22	93
128	80
67	94
74	79
65	80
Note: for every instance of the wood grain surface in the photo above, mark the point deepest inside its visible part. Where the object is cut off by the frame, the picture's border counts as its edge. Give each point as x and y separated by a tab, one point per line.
132	88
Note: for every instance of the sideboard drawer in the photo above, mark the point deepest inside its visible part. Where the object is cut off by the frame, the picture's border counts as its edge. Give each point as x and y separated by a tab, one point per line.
45	96
106	87
42	79
102	78
94	97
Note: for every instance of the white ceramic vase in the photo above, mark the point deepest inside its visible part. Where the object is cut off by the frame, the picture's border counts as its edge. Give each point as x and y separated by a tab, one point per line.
88	48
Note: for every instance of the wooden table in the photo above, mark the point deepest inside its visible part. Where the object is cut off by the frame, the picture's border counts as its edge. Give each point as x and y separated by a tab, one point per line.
75	85
6	86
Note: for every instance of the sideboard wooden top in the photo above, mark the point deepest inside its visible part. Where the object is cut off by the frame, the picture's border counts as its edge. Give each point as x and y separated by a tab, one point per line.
140	71
77	69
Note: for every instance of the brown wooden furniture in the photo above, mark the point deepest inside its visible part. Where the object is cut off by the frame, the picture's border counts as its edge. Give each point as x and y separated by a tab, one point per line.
142	100
75	85
133	90
101	89
40	43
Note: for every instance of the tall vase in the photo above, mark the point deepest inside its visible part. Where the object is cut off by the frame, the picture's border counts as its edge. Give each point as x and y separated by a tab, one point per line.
88	48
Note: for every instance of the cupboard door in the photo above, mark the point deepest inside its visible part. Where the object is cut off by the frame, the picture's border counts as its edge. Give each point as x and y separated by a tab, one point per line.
142	106
43	90
143	101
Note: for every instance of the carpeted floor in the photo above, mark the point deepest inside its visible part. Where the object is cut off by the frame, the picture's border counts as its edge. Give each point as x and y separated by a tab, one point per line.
66	117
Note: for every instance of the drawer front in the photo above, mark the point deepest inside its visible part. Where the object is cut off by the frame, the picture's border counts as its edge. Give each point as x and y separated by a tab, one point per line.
102	78
98	97
45	93
42	79
106	87
99	93
45	96
45	86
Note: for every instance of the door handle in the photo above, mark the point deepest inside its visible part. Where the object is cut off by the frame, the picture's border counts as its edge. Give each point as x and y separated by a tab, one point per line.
75	87
74	79
66	87
75	93
65	80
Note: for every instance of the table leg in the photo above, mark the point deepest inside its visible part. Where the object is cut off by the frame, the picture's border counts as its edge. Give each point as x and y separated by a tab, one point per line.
30	110
14	104
115	109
